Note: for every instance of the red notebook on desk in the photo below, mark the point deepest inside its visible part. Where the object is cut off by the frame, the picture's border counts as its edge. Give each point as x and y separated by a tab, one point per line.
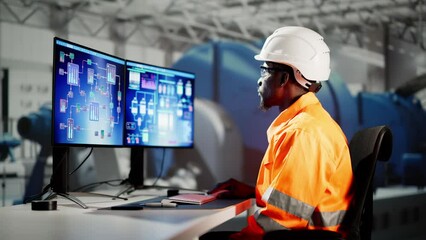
191	198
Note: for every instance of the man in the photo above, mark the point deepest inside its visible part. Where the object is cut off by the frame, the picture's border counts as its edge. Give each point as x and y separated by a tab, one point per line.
305	176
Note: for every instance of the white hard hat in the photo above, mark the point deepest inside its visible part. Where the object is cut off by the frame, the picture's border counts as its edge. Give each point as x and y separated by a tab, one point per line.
301	48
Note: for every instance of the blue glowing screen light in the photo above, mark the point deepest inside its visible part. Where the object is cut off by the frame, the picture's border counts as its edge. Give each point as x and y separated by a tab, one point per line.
88	99
159	108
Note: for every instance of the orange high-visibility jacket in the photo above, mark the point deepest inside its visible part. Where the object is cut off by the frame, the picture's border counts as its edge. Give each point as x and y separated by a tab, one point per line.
305	177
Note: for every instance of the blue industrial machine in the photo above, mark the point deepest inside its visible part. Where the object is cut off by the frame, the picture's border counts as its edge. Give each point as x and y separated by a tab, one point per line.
227	74
36	127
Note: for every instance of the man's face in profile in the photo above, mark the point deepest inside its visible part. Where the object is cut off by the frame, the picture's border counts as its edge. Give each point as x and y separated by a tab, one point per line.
268	85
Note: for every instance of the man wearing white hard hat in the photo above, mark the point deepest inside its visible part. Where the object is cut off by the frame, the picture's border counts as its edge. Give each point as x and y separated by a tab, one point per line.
305	177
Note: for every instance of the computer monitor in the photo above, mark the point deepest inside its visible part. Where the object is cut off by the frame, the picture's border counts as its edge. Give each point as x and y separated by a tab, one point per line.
159	112
87	104
159	107
88	96
100	100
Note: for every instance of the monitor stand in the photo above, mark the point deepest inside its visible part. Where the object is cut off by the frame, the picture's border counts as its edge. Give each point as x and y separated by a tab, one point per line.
59	179
135	181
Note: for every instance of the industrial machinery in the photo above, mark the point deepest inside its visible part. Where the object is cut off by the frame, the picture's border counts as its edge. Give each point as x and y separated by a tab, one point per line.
36	127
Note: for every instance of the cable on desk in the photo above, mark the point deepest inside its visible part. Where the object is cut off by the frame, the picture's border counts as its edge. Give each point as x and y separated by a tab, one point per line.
95	184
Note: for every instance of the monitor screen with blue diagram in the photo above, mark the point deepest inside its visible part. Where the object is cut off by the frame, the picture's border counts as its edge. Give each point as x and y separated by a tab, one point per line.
88	96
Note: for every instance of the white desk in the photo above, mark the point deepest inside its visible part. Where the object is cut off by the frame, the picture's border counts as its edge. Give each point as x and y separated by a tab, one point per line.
71	222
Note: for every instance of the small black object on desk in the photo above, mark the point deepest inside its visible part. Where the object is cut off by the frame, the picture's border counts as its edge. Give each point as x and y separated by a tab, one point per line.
44	205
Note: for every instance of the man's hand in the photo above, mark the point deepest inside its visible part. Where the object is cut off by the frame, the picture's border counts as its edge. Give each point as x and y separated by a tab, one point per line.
234	190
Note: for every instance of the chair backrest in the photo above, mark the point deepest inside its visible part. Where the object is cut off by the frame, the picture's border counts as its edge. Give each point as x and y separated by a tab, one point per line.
366	147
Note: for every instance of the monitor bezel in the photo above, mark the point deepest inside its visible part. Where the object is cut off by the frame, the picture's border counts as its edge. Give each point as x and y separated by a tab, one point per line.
55	52
193	120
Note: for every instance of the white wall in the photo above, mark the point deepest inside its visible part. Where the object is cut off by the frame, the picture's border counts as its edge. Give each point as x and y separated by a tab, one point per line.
27	54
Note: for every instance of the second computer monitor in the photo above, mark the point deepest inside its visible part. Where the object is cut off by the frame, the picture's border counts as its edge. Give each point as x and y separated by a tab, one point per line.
159	106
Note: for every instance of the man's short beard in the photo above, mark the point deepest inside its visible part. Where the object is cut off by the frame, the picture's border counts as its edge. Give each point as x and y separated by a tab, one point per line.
262	105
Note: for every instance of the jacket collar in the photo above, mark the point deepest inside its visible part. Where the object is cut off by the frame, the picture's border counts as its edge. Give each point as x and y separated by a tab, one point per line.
289	113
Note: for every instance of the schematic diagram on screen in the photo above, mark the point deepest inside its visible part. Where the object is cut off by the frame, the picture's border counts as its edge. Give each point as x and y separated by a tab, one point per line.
90	97
159	108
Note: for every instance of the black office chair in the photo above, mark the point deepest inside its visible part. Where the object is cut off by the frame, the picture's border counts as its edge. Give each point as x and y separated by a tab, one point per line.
366	147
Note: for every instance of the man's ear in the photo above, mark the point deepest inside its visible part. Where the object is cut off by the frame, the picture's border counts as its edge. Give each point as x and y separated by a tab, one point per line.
284	78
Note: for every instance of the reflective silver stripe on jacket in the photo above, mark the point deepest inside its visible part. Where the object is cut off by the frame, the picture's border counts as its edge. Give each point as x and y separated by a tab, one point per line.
290	205
299	209
327	219
267	223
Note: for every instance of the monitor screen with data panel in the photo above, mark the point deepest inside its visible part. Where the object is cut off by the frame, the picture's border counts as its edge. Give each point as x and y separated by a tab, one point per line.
159	106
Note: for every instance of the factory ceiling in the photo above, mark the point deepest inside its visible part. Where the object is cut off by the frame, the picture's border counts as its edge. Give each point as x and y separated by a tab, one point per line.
179	24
